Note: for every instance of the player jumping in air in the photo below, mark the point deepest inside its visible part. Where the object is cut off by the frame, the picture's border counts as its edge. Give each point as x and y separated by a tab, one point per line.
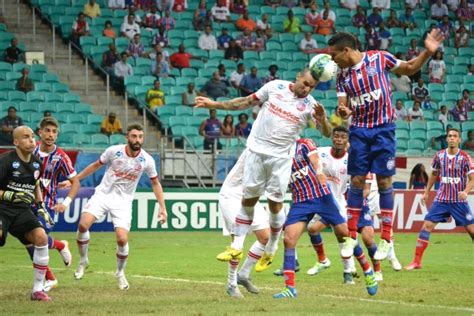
311	196
114	195
455	170
20	173
286	108
230	197
56	163
363	88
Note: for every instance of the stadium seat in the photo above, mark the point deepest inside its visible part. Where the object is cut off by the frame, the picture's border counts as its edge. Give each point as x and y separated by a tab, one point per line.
12	76
65	108
99	139
47	106
35	96
312	133
417	134
71	98
94	119
88	129
402	125
402	134
16	96
116	139
69	128
416	144
28	107
81	139
414	152
183	111
324	142
39	68
467	126
82	108
7	86
434	126
417	125
194	121
177	121
42	86
50	78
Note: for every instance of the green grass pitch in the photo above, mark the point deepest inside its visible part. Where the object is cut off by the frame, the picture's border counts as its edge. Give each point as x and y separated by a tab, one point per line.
177	273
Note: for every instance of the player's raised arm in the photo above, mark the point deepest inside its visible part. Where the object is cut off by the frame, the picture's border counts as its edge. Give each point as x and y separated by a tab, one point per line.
319	115
432	43
234	104
158	190
90	169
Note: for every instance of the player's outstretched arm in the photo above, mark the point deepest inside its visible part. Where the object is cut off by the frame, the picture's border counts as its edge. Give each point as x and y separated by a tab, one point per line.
432	43
469	186
158	190
234	104
75	185
431	181
319	115
90	169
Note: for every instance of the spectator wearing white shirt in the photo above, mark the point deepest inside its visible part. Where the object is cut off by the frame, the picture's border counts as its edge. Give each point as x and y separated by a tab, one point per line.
121	70
207	40
438	10
400	111
416	113
136	18
350	4
401	83
453	5
220	12
237	76
331	13
413	4
263	23
437	68
381	4
308	44
130	28
443	115
116	4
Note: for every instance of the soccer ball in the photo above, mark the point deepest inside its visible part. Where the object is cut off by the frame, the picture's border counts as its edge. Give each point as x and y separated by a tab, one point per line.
322	67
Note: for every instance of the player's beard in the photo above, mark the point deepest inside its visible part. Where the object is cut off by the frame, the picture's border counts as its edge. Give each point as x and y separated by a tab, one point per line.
135	146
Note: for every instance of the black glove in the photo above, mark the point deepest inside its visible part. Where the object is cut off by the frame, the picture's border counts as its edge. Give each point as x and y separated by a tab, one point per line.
18	197
42	212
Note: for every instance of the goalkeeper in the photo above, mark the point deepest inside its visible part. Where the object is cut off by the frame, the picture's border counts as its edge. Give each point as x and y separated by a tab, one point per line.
20	172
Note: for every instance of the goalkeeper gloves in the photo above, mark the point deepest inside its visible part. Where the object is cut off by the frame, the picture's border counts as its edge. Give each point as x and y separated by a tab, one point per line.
42	212
18	197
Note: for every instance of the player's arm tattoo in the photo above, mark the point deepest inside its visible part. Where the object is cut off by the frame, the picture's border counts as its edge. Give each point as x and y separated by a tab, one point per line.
237	103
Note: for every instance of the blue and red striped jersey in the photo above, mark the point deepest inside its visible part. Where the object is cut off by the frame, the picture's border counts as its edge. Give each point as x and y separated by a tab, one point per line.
304	183
453	174
55	164
367	87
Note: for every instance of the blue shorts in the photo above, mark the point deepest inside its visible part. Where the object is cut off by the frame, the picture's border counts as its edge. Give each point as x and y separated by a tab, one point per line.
372	150
440	213
365	219
326	207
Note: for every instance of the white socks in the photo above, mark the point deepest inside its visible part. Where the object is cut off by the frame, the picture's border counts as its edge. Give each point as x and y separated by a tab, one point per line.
253	255
83	245
40	265
276	226
122	255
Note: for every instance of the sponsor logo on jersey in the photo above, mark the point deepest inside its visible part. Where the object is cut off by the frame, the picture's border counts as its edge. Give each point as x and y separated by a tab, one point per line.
300	174
140	159
118	154
281	87
450	180
367	97
371	71
16	165
36	165
16	174
301	106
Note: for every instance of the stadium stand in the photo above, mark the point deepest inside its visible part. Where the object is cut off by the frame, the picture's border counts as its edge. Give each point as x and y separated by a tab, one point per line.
281	48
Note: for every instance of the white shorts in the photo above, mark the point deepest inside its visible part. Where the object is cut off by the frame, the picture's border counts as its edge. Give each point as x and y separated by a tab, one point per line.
230	200
266	175
121	211
230	208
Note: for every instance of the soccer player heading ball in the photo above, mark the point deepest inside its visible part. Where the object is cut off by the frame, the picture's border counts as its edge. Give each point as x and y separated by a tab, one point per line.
363	89
286	108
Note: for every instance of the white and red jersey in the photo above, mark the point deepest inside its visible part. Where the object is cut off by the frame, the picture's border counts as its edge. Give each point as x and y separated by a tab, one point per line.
367	87
453	174
335	170
280	120
123	171
55	164
304	182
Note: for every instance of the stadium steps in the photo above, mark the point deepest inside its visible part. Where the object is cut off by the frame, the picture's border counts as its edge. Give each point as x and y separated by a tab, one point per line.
73	75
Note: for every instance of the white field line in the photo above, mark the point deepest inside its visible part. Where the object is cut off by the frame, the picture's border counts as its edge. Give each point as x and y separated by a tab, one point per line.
341	297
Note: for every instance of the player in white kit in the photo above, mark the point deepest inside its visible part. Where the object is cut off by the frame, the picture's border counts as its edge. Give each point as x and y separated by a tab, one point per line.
114	195
230	197
371	194
286	108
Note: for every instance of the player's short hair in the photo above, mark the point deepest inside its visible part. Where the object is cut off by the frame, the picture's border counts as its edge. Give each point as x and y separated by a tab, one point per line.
137	126
454	129
341	129
342	40
49	120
